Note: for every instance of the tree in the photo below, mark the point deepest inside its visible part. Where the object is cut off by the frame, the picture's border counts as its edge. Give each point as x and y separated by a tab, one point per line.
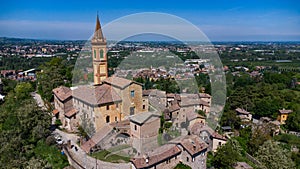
293	121
273	156
53	75
227	155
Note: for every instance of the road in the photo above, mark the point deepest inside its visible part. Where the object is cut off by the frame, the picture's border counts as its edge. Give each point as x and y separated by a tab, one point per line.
38	100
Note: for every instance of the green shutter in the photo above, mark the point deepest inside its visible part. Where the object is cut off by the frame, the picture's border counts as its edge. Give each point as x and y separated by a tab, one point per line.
94	53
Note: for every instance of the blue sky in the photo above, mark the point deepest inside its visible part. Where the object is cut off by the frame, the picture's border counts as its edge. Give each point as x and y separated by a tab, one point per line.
220	20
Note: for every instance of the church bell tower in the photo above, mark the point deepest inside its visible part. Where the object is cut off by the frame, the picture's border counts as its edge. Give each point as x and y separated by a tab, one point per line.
99	51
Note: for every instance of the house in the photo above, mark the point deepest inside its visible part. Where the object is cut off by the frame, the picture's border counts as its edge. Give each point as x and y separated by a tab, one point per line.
244	115
144	131
64	110
190	150
283	115
166	156
194	151
217	141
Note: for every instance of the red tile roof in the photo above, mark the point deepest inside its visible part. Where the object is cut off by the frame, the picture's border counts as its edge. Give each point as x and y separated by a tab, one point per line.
55	111
242	111
118	82
71	113
166	152
62	93
96	138
218	136
193	144
96	95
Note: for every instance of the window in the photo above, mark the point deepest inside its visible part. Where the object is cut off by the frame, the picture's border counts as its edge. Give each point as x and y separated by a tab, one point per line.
135	128
144	107
101	53
107	119
116	118
187	159
132	93
107	107
220	143
117	105
94	53
131	110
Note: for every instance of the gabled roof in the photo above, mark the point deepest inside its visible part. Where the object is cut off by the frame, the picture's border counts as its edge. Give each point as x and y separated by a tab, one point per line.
71	113
96	95
174	107
218	136
285	111
62	93
142	118
204	95
159	155
97	137
119	82
242	111
193	144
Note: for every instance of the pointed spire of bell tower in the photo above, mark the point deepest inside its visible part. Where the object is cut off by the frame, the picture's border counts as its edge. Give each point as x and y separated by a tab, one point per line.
99	51
98	35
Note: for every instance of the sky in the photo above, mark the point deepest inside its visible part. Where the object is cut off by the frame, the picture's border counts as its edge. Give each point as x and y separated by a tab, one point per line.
219	20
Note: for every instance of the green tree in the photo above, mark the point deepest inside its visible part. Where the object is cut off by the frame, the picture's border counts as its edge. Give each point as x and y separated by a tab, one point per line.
227	155
273	156
53	75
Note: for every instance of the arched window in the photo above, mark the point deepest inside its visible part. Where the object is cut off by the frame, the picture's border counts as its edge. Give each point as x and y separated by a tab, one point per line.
101	53
107	119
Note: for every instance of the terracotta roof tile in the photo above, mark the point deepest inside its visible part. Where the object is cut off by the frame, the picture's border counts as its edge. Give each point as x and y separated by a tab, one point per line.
55	111
193	144
118	82
62	93
165	152
96	95
71	113
242	111
218	136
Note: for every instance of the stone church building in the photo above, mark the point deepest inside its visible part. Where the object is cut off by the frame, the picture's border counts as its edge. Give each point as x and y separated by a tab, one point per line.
109	100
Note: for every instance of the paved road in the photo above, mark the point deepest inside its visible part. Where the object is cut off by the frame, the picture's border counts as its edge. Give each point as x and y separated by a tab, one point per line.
38	100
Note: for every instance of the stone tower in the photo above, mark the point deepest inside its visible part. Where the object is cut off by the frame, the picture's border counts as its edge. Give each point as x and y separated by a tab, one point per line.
99	51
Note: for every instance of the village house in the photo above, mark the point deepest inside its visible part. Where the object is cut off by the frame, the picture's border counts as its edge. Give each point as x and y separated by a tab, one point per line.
190	150
217	141
283	115
244	115
144	131
64	110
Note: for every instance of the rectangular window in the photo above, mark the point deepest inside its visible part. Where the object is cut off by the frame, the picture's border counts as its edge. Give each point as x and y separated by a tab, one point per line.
132	93
101	53
94	53
117	105
131	111
107	107
144	107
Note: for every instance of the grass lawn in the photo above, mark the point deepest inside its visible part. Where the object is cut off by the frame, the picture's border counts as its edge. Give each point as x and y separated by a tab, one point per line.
105	155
